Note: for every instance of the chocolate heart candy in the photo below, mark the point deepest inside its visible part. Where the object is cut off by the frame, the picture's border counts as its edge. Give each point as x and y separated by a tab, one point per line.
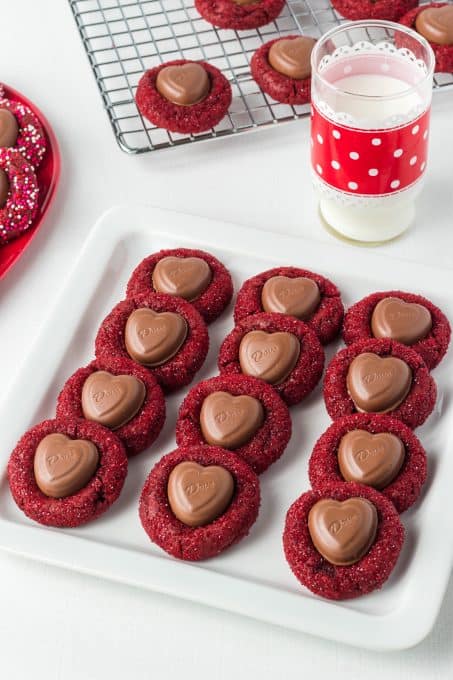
63	466
186	277
9	129
152	338
4	188
373	459
185	85
291	57
343	532
198	494
436	24
378	384
269	356
229	421
112	400
298	297
405	322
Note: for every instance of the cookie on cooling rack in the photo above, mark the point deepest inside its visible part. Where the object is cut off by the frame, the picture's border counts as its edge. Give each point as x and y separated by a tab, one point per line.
20	129
390	10
239	15
435	23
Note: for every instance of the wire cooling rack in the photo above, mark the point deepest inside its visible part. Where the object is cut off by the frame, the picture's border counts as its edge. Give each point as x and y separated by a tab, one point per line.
124	38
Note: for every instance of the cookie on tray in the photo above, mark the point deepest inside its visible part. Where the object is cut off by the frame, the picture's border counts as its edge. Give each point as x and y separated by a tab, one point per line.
239	15
279	349
390	10
196	276
434	22
297	292
18	194
407	318
164	333
239	413
64	473
184	96
199	500
21	130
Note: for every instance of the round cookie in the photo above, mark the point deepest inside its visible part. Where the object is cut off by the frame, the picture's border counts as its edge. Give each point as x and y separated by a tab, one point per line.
407	481
325	319
199	542
239	15
102	489
414	408
390	10
340	582
200	116
291	362
25	131
18	194
227	421
432	347
443	53
179	369
210	300
120	398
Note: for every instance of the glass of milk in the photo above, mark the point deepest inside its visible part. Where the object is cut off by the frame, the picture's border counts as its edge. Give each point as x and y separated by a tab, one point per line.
371	98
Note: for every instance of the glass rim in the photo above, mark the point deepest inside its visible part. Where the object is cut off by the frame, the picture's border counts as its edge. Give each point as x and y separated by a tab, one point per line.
373	23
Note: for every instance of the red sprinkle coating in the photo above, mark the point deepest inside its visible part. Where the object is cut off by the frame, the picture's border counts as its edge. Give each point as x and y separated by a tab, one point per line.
443	53
278	86
391	10
184	119
307	372
327	318
181	368
210	303
357	325
31	142
88	503
199	543
342	582
142	430
418	404
20	209
229	14
404	490
268	443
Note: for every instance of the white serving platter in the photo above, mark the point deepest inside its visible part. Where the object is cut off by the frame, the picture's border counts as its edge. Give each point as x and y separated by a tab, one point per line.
252	578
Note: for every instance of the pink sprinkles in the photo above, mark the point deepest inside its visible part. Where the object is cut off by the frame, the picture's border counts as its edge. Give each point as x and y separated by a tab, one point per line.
31	141
21	206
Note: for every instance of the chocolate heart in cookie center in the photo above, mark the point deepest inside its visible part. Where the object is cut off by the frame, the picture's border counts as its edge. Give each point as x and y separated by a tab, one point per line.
184	84
373	459
299	296
378	384
230	421
152	338
9	129
436	24
405	322
186	277
291	57
269	356
343	532
63	466
198	494
112	400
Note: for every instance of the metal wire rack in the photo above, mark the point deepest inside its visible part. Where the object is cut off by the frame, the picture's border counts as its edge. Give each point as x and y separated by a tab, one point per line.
123	38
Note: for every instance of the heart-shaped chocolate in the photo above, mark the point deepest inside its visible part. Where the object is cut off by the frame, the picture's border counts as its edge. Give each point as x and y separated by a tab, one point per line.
9	129
436	24
405	322
372	459
63	466
343	531
152	338
229	421
198	494
112	400
4	188
269	356
378	384
291	56
297	297
186	277
185	85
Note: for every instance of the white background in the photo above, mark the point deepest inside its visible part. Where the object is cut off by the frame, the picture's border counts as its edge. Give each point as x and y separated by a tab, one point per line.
56	624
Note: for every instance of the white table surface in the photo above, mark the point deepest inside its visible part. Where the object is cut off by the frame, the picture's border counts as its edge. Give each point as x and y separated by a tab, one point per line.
57	624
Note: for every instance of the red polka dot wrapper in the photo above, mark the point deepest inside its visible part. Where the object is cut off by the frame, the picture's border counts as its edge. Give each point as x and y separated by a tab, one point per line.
31	140
21	205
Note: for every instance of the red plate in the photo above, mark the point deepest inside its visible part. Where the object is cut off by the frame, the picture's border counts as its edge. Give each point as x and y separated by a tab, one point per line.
48	175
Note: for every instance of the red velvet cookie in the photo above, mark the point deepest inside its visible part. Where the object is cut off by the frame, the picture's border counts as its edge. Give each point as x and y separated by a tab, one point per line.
237	15
227	421
325	319
443	53
329	580
292	361
179	369
357	324
118	398
199	542
216	290
390	10
89	502
18	194
28	134
416	405
403	489
185	119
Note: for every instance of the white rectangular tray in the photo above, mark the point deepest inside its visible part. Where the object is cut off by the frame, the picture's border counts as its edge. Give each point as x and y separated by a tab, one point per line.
251	578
